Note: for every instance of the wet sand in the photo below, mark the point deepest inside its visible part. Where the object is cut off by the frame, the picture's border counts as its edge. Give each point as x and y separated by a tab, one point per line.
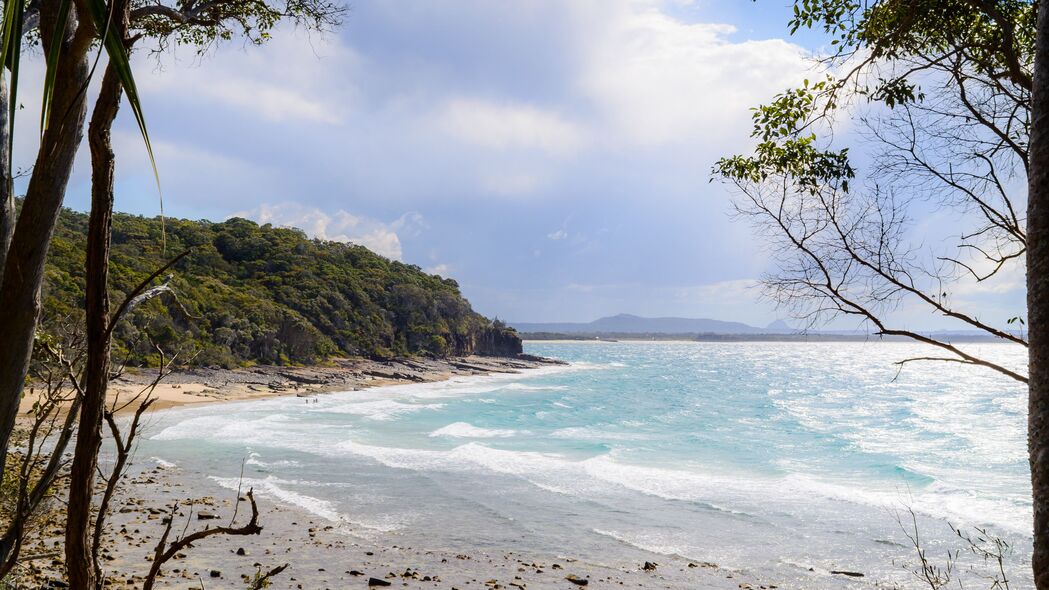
324	554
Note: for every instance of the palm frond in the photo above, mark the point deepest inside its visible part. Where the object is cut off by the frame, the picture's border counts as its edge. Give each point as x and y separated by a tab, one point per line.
10	51
53	53
113	42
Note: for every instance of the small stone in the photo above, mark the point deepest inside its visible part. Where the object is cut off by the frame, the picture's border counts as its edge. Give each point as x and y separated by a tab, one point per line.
577	580
377	582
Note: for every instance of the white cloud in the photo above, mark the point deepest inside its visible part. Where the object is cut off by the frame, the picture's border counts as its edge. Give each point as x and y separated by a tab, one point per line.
341	226
273	102
658	79
557	235
505	126
410	224
439	269
248	80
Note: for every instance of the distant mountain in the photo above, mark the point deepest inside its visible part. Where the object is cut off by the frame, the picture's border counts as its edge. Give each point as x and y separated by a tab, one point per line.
631	324
626	326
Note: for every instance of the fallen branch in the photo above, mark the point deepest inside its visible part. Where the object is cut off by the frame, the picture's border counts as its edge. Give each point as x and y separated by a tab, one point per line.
166	551
262	580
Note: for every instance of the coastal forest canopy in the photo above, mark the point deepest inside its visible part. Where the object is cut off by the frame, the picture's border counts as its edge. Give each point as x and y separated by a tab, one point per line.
247	293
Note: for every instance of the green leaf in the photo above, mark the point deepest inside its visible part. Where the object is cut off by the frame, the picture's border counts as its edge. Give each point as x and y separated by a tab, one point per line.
10	50
118	57
53	53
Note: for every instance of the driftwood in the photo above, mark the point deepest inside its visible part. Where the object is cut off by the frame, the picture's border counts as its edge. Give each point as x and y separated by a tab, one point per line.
166	551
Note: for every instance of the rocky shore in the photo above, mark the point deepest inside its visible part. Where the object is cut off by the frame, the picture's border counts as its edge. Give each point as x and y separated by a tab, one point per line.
331	555
209	384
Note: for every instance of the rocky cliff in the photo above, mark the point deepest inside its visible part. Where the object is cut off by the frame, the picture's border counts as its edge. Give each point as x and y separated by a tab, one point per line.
497	341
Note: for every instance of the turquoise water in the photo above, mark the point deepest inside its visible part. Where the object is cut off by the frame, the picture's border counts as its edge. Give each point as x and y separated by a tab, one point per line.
789	459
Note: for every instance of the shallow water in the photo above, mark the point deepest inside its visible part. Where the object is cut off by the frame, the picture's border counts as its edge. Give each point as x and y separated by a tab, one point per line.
790	459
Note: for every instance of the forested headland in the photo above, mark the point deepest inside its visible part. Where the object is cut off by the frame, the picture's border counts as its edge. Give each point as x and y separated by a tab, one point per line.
248	294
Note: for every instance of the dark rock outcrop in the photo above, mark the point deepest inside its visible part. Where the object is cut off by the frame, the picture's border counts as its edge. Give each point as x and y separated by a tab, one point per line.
493	339
496	341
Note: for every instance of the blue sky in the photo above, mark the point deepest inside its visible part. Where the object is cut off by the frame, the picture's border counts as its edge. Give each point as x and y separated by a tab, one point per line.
552	156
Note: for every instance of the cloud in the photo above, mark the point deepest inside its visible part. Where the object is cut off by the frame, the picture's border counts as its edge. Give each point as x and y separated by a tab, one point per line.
245	81
273	102
506	126
608	112
439	269
377	236
658	79
411	224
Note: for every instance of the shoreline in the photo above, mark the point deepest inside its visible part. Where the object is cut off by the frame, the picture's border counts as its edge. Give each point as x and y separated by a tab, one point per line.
211	385
325	553
339	554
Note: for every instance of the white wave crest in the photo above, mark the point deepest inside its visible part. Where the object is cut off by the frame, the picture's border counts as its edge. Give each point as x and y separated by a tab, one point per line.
382	409
467	430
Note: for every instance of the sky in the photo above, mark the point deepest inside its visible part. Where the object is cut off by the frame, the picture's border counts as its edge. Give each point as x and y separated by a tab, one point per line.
553	157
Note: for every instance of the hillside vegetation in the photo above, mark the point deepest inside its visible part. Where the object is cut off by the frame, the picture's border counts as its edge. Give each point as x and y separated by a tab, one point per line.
259	294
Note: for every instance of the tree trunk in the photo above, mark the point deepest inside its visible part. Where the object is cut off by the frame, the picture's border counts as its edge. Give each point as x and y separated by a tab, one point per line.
23	277
80	561
1038	300
7	192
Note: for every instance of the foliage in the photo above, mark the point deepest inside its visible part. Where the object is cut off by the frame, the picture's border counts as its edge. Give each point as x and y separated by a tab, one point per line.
938	96
260	294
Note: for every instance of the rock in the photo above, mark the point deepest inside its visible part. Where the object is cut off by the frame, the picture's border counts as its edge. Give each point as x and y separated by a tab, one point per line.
649	566
206	516
847	573
577	580
216	574
497	341
241	551
377	582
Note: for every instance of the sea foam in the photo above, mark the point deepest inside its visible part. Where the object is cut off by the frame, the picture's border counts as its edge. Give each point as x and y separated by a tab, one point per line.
467	430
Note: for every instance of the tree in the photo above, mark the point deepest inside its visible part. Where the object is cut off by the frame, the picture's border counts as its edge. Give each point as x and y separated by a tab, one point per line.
199	24
67	31
73	32
1038	300
947	94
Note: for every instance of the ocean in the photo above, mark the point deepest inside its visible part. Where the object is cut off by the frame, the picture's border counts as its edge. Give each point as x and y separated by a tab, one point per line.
788	459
